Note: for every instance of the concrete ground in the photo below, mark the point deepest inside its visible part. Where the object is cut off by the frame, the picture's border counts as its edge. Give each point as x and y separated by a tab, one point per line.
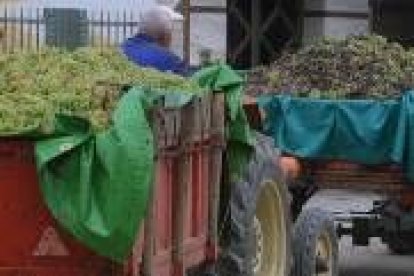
374	260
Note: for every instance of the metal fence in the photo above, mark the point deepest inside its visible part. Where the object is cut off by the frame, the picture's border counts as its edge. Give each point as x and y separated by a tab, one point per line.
27	29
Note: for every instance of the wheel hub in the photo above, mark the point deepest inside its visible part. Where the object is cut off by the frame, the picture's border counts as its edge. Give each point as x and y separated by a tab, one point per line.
324	256
258	256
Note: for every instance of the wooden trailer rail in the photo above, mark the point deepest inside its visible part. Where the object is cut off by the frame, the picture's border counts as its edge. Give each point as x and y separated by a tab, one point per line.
181	226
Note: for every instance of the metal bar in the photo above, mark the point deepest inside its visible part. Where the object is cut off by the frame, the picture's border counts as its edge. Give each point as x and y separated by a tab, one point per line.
108	30
37	29
243	22
301	21
288	24
270	19
124	25
21	30
13	30
92	28
14	19
104	22
137	19
58	38
187	31
337	14
371	15
102	30
6	31
117	28
29	32
374	13
131	28
208	9
243	44
395	5
96	22
256	32
27	20
232	9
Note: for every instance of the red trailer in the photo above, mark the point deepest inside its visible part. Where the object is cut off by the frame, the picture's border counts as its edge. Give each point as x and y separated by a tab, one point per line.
180	234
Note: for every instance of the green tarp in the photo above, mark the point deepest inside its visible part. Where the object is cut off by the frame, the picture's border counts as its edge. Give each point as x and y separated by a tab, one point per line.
97	185
240	139
363	131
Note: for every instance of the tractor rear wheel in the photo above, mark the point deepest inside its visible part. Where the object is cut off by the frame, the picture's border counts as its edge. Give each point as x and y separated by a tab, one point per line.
260	222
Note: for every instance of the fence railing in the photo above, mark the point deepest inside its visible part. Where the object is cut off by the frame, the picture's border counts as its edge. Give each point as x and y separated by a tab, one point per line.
29	29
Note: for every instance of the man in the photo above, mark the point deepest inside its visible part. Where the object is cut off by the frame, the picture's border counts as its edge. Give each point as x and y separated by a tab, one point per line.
150	47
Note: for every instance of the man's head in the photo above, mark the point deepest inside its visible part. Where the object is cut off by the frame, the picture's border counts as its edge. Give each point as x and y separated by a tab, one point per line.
158	23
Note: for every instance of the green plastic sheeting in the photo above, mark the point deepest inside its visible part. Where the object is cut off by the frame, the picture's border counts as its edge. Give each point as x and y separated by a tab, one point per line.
221	78
96	185
363	131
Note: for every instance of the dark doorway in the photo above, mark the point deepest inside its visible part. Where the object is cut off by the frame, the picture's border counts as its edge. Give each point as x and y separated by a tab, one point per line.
394	19
259	29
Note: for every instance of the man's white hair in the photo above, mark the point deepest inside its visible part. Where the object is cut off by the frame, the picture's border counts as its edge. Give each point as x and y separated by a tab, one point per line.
160	18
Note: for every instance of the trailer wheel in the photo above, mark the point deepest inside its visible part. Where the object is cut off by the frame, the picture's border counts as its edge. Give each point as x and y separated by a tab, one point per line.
260	219
315	245
400	246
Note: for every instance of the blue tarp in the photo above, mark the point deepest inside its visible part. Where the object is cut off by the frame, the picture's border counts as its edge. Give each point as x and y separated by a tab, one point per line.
362	131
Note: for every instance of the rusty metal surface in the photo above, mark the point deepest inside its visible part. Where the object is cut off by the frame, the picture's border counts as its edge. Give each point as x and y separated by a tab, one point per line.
342	175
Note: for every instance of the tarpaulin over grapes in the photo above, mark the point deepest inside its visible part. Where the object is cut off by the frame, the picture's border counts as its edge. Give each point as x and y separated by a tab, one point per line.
96	185
364	131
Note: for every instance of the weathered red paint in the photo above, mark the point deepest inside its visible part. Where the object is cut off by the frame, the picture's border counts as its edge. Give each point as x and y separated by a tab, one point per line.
32	243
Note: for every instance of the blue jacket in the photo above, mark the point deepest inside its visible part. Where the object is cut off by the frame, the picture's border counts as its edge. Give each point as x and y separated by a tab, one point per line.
143	51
